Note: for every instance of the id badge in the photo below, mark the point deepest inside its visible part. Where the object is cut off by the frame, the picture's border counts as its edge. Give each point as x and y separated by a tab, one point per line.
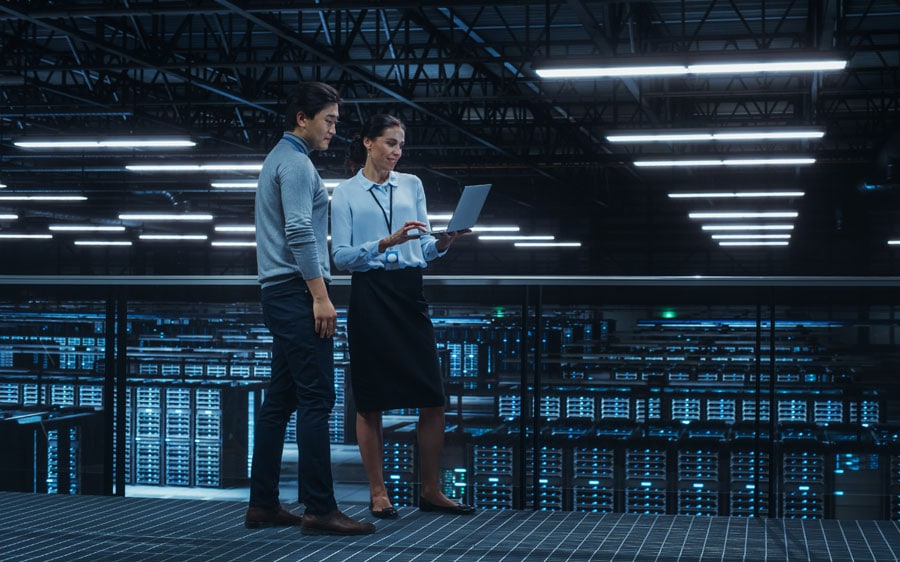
392	256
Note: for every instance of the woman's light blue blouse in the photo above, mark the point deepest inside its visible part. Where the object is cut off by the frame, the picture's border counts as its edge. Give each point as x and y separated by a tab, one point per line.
358	223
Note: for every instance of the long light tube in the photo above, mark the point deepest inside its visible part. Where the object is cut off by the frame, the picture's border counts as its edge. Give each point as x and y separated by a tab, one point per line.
734	194
501	238
751	236
732	67
8	217
744	215
226	243
547	244
107	143
708	137
194	167
173	237
761	243
27	236
235	228
495	229
43	198
165	217
237	184
748	227
725	162
103	242
84	228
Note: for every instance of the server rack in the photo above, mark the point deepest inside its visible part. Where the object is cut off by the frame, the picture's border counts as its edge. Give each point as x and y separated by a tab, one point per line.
597	467
401	464
700	473
58	450
803	469
649	460
749	469
494	470
857	487
887	439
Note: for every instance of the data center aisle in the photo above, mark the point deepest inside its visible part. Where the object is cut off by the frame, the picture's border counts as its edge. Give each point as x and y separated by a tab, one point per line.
98	528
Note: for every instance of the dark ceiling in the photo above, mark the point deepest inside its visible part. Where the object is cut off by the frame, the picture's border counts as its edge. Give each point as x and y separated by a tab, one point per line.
462	76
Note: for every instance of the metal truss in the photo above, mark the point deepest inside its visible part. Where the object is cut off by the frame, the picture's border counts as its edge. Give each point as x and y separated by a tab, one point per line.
461	74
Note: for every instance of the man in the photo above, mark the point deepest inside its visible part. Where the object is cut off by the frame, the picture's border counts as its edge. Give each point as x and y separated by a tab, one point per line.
294	271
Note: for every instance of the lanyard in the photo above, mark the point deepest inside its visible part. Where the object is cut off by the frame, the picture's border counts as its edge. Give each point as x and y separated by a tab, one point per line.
389	221
296	144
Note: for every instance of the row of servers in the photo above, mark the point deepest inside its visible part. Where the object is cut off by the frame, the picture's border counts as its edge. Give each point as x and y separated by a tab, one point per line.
175	435
717	404
477	347
807	471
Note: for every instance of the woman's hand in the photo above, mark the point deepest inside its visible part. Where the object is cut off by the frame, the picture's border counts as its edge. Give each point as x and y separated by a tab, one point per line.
401	235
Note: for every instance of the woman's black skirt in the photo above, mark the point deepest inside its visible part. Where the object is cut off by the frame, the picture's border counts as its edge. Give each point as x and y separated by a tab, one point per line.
393	357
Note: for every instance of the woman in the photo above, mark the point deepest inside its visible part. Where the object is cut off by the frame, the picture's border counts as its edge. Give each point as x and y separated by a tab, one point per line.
376	218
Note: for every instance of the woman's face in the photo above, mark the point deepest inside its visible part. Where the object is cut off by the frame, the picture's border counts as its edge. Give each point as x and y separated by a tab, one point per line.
385	151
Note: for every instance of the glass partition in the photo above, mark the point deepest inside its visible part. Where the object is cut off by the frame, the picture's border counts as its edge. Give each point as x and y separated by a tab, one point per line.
749	397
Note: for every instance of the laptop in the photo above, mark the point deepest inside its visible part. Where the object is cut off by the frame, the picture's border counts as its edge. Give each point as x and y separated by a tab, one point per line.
467	209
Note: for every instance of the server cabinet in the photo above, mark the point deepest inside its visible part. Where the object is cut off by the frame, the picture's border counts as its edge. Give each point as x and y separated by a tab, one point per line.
57	450
803	471
649	461
749	463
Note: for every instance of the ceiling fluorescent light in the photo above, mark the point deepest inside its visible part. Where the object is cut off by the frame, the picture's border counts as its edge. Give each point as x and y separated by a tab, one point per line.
193	167
240	184
893	242
748	227
751	236
107	143
8	217
495	229
770	66
680	69
725	162
547	244
491	238
744	215
27	236
734	194
612	71
440	217
713	136
173	237
331	184
2	185
165	217
225	243
235	228
84	228
43	198
103	242
763	243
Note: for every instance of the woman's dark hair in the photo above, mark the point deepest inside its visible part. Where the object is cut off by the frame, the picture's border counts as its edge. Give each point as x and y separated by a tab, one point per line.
372	129
309	98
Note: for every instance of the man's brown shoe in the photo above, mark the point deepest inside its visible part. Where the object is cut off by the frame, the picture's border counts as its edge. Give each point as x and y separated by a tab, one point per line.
261	517
334	523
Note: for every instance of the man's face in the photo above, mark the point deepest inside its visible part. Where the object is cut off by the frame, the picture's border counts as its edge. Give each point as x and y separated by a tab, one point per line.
318	130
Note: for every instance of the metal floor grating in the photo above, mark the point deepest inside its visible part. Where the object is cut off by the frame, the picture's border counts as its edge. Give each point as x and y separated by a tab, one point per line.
99	528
